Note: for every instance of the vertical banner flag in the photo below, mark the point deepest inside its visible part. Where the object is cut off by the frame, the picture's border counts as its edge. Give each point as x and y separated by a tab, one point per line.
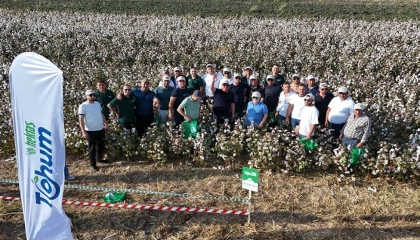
36	93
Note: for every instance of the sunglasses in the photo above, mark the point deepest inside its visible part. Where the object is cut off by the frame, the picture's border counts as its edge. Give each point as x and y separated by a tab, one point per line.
92	95
307	100
225	85
269	80
226	73
177	71
295	78
127	90
254	97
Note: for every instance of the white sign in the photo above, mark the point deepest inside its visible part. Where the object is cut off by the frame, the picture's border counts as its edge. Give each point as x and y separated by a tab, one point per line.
36	93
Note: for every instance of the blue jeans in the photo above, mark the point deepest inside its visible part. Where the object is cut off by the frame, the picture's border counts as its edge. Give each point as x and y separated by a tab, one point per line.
337	128
295	122
350	143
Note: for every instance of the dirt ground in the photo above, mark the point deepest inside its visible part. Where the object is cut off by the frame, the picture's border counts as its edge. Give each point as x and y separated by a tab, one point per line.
313	206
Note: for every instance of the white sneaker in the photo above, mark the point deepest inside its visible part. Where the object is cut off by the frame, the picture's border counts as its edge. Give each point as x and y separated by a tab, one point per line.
70	177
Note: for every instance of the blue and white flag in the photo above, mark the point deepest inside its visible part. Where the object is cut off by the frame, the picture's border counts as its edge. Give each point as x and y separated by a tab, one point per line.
36	92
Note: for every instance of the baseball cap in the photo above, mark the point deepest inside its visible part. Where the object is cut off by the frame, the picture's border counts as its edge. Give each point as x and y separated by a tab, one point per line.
177	69
197	93
90	92
360	106
256	94
248	68
295	75
309	96
236	75
166	78
209	65
342	90
310	77
180	78
224	81
270	77
253	77
226	69
323	85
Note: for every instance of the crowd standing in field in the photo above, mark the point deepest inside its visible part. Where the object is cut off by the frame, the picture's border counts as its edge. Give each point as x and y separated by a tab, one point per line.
290	104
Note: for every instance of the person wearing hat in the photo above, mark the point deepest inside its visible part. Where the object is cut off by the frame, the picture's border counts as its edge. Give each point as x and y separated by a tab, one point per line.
284	100
339	109
92	123
254	87
227	75
322	100
238	89
104	96
277	77
163	93
271	94
224	102
124	108
256	111
195	82
177	73
308	118
211	77
248	73
311	86
190	107
356	131
296	105
177	96
145	101
295	83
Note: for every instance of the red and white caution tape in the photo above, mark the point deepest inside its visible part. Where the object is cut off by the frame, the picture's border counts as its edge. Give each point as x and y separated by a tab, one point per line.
136	206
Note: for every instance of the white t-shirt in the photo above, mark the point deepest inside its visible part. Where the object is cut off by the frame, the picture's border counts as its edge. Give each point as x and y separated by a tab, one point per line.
298	105
307	119
208	79
340	110
284	103
93	116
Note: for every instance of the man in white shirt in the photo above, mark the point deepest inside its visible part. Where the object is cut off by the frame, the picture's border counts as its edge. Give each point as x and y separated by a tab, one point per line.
339	110
211	77
309	118
294	110
93	124
284	100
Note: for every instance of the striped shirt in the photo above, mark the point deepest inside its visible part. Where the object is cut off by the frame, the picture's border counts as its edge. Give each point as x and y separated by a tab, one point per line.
357	128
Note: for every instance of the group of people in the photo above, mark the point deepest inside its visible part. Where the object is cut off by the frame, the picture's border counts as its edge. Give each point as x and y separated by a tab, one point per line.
293	103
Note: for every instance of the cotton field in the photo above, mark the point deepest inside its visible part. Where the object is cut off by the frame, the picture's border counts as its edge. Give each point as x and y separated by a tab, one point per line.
378	61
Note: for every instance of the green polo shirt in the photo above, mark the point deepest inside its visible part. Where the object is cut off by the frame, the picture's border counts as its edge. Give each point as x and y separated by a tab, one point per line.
164	95
103	100
125	108
195	83
191	107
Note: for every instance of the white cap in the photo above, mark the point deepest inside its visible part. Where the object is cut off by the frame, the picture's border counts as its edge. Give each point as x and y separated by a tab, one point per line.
224	81
90	92
360	106
166	78
342	90
226	69
324	85
253	76
310	77
180	78
236	75
270	77
177	69
295	75
248	67
209	65
309	96
256	94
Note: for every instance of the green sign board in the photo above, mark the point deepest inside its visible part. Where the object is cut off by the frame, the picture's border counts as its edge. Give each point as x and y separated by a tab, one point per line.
250	179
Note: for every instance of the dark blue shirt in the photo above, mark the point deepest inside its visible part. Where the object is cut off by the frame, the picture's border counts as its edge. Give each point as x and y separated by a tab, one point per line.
144	101
180	95
314	90
239	94
222	101
271	96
